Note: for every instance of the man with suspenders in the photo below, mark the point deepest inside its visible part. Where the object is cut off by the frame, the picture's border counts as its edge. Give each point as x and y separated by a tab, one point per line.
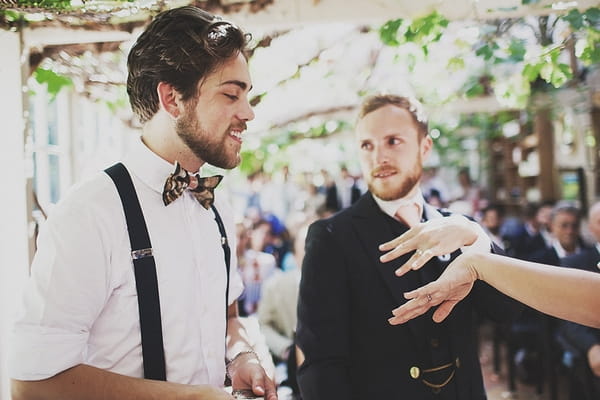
133	288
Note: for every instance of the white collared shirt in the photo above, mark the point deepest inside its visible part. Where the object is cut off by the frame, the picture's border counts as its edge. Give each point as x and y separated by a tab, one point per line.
80	305
483	242
560	250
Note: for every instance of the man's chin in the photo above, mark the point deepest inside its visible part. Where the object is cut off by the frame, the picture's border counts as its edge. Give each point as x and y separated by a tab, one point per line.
387	194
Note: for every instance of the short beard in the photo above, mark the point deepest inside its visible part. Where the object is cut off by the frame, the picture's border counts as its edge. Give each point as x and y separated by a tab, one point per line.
401	192
197	139
409	183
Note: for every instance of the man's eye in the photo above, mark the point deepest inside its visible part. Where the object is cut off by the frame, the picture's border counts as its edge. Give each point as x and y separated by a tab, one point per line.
365	146
231	96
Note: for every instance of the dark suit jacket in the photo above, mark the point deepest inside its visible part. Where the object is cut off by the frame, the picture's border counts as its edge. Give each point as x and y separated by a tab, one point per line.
346	297
580	337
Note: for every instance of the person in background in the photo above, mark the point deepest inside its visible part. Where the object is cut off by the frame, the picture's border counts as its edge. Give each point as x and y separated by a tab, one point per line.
255	266
533	234
343	192
78	336
470	193
346	292
492	217
277	311
583	342
565	222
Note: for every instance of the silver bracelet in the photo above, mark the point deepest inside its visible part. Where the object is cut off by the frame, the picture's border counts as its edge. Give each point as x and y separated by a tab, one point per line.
238	355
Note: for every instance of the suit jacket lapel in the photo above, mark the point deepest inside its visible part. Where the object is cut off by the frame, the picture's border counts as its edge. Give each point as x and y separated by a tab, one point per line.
373	229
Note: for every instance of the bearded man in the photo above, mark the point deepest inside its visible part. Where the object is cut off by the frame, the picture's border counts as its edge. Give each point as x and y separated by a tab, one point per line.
346	292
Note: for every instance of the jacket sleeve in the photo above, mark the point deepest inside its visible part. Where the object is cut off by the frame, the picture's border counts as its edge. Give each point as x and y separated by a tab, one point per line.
579	337
323	317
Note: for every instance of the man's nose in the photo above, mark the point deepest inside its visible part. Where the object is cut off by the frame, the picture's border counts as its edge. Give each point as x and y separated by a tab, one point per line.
247	112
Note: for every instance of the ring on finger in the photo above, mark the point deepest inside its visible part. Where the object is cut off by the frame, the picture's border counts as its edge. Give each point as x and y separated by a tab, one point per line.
419	252
428	297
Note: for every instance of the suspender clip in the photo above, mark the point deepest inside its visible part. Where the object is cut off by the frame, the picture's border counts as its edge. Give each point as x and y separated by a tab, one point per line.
141	253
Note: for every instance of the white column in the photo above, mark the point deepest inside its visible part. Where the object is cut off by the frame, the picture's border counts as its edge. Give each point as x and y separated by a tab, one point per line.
14	247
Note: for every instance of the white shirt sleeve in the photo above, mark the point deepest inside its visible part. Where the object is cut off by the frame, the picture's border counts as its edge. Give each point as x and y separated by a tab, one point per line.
67	289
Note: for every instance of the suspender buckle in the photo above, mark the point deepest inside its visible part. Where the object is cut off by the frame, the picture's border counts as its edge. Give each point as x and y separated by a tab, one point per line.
141	253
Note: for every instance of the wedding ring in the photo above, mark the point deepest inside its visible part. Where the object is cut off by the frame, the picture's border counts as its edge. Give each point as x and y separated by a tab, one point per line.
419	252
428	297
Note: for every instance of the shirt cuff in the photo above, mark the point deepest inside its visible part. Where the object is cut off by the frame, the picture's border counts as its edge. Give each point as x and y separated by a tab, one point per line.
483	244
37	354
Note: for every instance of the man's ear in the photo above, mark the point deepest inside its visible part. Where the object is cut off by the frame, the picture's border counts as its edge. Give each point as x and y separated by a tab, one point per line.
170	99
425	147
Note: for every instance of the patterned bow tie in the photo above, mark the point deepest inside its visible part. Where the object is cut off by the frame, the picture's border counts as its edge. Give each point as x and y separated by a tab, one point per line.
201	188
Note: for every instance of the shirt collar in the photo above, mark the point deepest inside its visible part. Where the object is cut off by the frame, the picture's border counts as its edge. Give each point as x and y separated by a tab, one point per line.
560	251
391	206
148	166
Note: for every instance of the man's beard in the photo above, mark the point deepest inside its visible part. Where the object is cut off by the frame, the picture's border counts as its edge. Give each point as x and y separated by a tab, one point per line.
201	142
410	181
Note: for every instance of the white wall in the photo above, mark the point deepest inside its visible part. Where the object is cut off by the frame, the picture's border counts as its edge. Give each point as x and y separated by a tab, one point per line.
14	253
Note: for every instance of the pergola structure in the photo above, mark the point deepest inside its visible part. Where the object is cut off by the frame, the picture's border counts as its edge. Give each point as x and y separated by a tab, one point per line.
95	26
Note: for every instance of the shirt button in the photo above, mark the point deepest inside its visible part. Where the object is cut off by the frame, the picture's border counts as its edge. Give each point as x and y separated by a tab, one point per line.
415	372
435	342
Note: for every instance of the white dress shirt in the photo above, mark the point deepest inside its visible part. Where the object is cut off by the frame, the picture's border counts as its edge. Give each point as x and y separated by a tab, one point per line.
80	304
482	244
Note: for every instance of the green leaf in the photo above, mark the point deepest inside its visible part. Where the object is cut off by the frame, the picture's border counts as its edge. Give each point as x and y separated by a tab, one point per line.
575	19
592	15
389	32
456	64
54	81
475	90
532	71
517	50
485	51
11	15
528	2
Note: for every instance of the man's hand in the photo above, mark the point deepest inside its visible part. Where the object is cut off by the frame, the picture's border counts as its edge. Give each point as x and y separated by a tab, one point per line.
452	286
247	373
594	359
436	237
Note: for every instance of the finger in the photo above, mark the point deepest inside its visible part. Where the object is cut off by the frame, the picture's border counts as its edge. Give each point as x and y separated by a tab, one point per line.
397	241
258	382
399	250
443	311
405	315
415	262
270	390
408	311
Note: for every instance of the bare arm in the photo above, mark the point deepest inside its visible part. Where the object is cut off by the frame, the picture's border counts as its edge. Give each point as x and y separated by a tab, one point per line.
565	293
84	382
245	369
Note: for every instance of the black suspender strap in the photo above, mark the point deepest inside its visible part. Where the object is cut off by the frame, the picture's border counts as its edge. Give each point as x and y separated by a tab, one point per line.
146	282
227	255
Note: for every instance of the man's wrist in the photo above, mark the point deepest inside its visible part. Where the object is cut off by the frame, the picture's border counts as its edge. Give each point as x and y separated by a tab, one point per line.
239	357
482	243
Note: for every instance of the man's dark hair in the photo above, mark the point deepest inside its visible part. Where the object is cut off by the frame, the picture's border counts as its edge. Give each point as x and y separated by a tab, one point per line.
415	109
180	47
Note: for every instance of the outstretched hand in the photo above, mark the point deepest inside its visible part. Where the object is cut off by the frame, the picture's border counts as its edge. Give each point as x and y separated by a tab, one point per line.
436	237
452	286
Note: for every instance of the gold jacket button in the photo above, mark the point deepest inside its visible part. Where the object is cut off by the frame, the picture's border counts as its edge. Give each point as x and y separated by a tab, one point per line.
415	372
457	362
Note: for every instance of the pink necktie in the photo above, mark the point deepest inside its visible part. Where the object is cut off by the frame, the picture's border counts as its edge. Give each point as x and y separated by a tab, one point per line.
409	214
